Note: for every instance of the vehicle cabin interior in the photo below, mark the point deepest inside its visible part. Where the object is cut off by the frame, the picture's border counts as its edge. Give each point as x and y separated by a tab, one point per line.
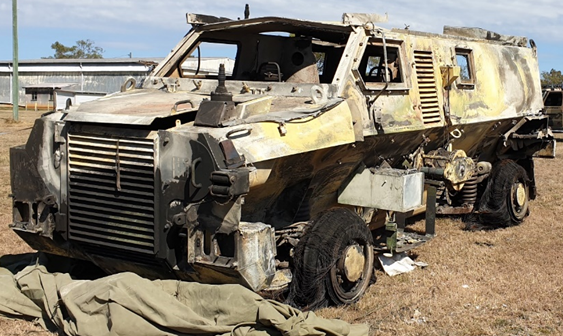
284	52
372	64
273	52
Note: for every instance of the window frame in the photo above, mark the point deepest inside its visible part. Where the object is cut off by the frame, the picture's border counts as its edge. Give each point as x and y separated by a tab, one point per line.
403	85
209	40
468	54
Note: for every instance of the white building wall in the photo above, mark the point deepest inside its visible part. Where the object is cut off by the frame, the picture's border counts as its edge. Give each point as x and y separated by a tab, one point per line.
82	98
61	98
101	77
76	98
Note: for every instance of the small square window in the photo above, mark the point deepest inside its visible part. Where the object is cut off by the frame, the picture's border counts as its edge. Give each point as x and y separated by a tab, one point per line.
34	96
464	59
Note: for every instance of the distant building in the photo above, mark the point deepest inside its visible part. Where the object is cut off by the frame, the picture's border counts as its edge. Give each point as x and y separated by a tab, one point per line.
65	98
47	84
40	96
56	96
207	65
38	79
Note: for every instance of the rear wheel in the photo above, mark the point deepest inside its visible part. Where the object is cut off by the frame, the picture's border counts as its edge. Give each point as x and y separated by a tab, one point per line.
333	261
505	201
518	199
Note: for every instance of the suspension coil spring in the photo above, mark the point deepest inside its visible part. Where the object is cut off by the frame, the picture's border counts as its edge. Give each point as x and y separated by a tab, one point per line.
469	191
441	193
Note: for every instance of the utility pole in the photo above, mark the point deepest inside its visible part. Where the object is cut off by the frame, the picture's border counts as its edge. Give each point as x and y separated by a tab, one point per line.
15	77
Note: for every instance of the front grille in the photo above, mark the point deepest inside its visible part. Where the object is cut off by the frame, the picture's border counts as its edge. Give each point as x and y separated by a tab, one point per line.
111	192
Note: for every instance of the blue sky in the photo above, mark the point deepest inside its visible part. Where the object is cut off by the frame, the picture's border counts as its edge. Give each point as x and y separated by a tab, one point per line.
152	28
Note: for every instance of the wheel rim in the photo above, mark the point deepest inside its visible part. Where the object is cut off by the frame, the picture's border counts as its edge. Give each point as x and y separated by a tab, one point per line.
520	194
519	199
353	262
351	274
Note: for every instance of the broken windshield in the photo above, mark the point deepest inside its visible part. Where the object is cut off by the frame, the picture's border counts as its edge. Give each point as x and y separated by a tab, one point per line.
264	53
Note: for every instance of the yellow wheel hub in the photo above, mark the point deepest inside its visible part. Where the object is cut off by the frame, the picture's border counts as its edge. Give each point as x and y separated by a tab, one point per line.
521	194
354	262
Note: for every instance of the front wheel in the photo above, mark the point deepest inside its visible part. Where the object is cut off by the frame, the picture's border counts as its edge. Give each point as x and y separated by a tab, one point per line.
349	277
333	261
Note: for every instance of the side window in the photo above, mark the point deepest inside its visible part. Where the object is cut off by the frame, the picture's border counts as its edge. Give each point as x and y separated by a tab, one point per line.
327	56
372	66
464	59
205	59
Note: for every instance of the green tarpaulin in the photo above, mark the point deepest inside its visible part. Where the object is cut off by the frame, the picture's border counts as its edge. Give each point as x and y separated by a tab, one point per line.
126	304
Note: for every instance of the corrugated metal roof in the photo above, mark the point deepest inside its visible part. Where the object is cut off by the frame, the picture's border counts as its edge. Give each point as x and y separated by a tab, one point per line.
120	61
104	65
93	93
49	85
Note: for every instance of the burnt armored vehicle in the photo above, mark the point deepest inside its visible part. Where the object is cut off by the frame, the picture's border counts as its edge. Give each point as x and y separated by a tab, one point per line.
287	162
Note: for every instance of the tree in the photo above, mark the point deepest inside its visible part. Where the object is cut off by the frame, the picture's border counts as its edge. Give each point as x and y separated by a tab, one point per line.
552	78
82	49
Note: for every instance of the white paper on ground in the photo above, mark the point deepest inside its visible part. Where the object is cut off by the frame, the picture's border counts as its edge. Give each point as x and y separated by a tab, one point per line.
398	264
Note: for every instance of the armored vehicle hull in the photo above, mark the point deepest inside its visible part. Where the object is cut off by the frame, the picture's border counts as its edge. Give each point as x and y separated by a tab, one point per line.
293	163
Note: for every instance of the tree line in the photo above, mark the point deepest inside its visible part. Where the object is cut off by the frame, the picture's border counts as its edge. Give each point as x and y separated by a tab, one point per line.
551	78
82	49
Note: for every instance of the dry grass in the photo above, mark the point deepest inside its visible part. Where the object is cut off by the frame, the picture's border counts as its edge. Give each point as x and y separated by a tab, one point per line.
503	282
13	134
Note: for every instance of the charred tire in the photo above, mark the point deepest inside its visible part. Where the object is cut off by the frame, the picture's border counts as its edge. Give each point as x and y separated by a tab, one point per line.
333	262
505	201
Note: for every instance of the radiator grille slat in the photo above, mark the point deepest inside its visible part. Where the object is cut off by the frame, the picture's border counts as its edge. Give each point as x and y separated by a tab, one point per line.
105	181
132	218
119	244
106	166
111	174
110	189
104	203
429	103
85	222
105	160
111	193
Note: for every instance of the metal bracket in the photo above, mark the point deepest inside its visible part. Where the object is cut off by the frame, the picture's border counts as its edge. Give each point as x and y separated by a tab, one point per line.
59	132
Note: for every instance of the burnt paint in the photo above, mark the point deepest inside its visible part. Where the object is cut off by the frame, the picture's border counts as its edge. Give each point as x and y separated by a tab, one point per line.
328	168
